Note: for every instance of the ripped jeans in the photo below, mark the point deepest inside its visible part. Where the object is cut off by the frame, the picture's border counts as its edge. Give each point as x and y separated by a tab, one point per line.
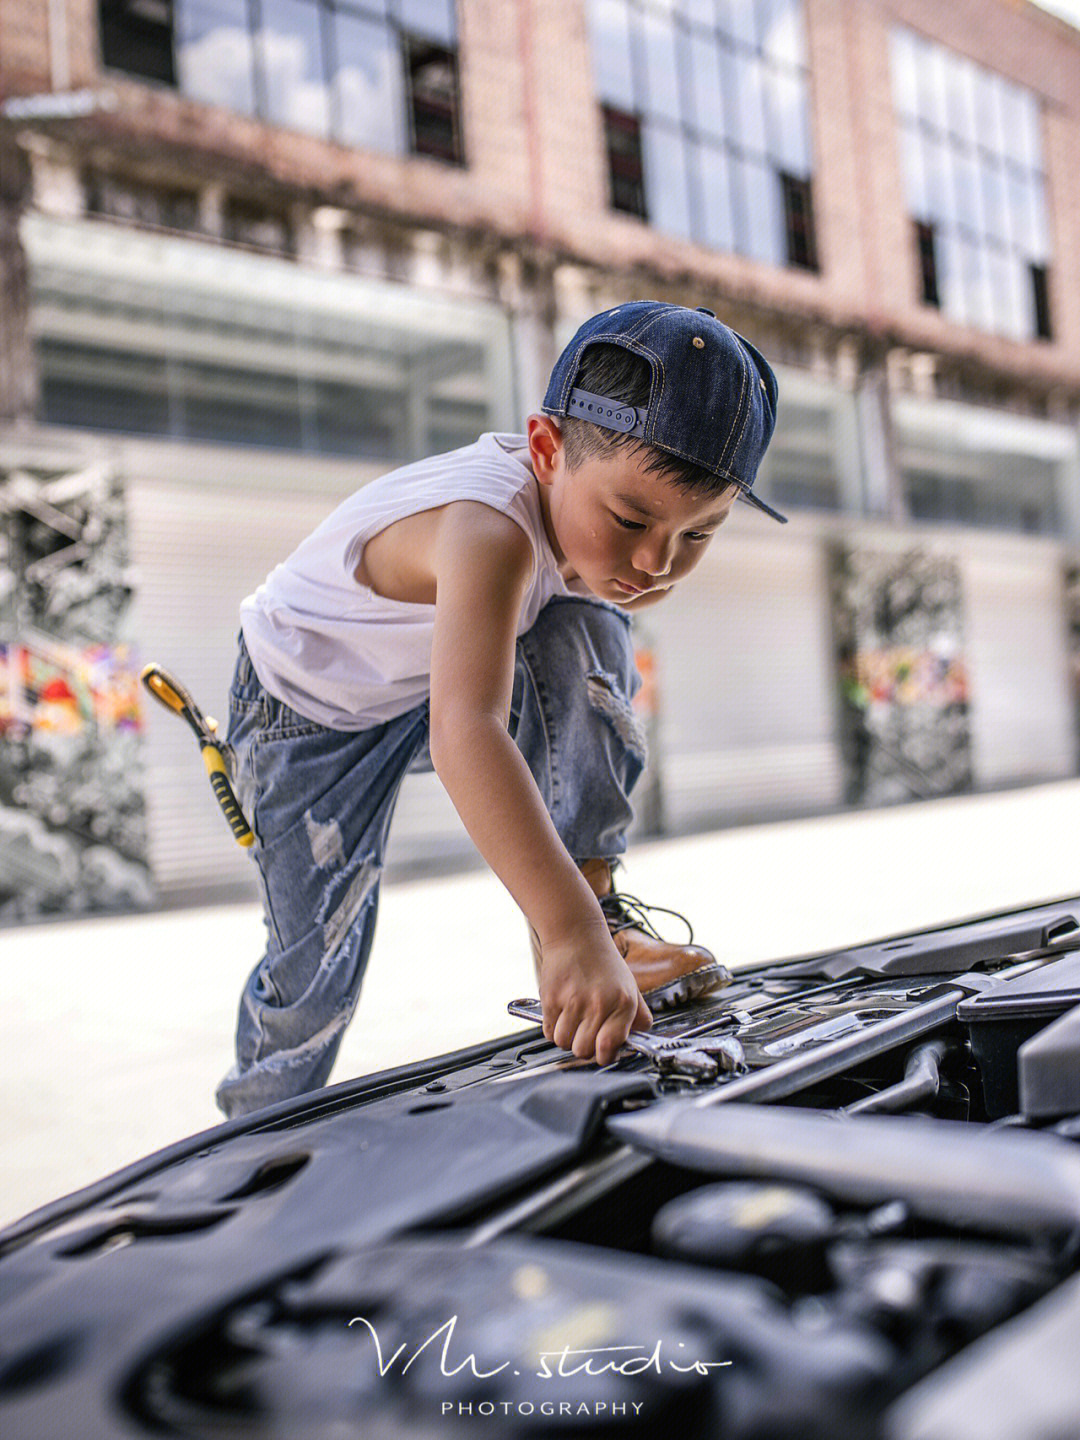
320	803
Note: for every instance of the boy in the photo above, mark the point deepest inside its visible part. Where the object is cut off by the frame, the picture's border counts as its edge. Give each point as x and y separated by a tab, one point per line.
474	608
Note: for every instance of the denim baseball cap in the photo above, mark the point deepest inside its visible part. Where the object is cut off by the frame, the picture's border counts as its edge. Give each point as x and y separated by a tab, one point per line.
713	395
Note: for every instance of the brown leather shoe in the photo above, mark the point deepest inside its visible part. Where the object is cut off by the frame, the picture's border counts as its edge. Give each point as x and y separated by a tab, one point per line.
666	974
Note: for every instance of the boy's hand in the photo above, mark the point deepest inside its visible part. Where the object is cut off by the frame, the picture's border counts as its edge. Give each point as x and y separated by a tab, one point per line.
590	998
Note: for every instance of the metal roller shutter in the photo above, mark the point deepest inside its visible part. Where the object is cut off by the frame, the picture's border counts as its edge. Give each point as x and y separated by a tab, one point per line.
745	665
1022	718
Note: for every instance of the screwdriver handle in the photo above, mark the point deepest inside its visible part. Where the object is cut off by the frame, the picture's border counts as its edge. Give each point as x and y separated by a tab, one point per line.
226	797
172	694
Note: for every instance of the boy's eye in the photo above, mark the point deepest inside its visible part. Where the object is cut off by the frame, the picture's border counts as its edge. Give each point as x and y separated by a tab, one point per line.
699	535
628	524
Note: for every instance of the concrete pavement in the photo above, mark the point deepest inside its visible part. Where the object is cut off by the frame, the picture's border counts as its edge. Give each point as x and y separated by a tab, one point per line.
114	1031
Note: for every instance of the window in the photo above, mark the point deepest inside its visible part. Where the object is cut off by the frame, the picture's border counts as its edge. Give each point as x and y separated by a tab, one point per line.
623	137
136	37
247	223
975	189
962	465
1041	293
156	206
814	460
799	222
706	121
433	100
381	74
232	347
924	241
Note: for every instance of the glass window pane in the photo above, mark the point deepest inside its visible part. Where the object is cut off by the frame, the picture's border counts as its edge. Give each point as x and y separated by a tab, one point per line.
1027	214
369	104
940	207
766	241
1018	185
995	203
610	36
1030	128
1021	300
786	106
949	276
1014	123
978	303
290	55
433	19
662	70
706	84
911	142
987	88
904	77
998	264
968	192
215	54
237	406
665	178
1040	230
960	293
699	12
100	388
748	120
960	99
738	20
933	85
782	34
714	189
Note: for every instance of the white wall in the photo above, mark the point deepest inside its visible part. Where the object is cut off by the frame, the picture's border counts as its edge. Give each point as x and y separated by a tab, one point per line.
748	708
1022	714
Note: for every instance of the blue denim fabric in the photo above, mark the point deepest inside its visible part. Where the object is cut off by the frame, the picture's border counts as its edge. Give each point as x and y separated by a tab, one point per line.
713	395
320	803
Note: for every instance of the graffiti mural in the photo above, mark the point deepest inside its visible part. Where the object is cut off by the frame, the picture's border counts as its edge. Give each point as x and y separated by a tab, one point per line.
72	813
903	682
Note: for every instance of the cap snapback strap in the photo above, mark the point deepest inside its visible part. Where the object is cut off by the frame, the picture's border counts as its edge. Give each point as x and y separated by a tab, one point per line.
610	414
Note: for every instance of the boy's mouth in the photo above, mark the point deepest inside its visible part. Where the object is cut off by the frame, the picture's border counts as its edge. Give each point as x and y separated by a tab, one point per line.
630	589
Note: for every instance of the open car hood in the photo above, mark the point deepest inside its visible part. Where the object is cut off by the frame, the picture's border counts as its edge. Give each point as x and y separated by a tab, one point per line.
840	1197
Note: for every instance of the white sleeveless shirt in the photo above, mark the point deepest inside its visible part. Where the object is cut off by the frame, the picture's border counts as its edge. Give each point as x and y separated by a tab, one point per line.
334	650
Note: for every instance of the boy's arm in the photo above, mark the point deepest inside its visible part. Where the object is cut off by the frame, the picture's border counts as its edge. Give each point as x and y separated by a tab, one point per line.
482	563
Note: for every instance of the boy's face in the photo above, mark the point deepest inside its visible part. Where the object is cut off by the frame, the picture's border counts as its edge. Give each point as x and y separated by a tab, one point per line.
623	531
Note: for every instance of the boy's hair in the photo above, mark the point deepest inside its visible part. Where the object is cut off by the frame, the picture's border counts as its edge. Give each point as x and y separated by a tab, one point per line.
622	376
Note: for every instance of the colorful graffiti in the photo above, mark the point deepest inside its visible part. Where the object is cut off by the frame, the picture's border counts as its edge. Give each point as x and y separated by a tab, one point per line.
904	685
904	676
58	689
72	812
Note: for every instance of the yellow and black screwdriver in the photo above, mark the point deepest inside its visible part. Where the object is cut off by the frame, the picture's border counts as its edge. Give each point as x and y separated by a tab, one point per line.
171	693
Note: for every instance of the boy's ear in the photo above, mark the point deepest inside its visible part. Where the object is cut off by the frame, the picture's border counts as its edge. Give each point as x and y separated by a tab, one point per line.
545	447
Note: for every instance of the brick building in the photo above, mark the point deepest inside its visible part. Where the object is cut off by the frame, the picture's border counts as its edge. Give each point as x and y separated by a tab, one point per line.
254	254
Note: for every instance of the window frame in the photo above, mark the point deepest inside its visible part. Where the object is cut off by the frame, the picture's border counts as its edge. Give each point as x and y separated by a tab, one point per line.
406	42
755	166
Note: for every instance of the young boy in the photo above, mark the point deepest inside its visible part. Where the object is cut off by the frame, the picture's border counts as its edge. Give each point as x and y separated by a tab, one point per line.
474	607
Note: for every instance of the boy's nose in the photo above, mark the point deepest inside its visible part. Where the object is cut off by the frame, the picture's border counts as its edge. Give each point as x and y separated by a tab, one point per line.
653	556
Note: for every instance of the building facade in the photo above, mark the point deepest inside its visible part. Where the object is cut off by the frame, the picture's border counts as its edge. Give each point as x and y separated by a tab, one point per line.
254	254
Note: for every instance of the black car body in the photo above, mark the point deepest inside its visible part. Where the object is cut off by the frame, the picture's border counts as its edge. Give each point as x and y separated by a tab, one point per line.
840	1198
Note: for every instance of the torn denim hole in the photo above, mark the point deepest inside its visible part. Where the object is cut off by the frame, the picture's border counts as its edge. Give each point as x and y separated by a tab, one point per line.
325	838
335	925
305	1052
607	699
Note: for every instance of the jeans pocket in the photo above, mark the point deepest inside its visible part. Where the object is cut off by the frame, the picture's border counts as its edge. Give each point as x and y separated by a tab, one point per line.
285	723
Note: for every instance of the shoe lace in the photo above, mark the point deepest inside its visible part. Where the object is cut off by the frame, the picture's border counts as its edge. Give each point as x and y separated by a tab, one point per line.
627	912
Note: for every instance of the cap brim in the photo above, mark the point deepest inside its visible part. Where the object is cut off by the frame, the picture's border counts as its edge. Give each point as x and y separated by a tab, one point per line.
752	499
